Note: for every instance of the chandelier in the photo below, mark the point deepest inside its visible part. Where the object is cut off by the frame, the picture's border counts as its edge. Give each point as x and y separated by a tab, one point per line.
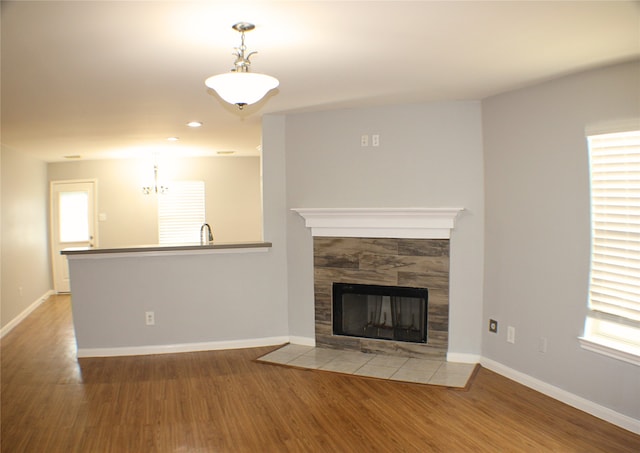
156	188
241	87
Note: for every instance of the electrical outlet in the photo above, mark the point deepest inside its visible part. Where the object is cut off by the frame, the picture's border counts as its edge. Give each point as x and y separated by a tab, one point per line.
511	334
375	140
364	140
493	326
150	318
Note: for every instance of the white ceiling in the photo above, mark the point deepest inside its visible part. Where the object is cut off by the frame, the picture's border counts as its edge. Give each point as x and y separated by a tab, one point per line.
116	78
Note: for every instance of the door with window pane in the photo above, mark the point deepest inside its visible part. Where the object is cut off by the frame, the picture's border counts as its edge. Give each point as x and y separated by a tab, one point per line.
73	221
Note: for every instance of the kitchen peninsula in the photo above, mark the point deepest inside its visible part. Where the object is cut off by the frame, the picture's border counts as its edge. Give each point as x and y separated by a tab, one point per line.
158	299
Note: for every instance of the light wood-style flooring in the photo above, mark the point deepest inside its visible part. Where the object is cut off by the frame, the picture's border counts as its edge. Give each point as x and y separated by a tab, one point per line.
225	401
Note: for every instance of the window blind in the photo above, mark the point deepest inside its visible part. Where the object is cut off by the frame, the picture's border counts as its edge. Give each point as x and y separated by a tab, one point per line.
614	293
181	212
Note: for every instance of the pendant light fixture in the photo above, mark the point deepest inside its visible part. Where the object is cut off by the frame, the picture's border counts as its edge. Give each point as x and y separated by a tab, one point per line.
240	86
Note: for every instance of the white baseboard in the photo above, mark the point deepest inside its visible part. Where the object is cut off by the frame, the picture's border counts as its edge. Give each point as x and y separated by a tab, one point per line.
604	413
26	312
185	347
460	357
304	341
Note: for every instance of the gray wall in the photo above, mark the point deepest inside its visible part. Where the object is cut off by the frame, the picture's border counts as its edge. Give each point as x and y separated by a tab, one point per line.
233	195
430	155
538	230
197	298
25	249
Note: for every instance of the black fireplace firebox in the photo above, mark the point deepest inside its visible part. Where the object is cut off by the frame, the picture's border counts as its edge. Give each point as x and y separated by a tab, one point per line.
395	313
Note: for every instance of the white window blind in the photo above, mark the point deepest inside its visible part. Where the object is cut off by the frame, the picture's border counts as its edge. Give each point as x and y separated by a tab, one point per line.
614	293
181	212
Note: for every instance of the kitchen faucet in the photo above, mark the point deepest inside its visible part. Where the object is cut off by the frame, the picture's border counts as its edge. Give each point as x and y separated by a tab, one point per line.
202	237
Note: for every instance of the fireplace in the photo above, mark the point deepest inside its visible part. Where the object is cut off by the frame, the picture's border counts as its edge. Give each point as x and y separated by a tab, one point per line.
396	313
385	262
387	247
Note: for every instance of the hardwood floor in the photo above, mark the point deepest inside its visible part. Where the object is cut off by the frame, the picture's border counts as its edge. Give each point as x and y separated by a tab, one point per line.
224	401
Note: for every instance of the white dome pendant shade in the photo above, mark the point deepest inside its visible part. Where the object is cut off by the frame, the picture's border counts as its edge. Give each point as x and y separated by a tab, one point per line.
240	86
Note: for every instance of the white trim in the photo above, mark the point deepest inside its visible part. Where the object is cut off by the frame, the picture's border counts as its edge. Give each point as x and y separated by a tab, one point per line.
26	312
185	347
601	347
602	412
419	223
461	357
303	341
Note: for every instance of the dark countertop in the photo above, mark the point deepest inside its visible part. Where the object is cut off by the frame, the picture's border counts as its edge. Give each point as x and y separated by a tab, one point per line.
165	248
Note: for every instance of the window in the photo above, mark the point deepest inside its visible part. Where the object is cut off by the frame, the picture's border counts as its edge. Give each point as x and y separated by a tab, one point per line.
613	323
181	212
74	216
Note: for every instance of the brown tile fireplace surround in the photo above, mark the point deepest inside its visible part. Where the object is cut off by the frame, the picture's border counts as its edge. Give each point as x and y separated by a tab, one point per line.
358	246
417	263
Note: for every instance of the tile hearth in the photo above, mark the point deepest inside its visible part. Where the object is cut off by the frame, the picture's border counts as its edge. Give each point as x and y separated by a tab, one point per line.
394	368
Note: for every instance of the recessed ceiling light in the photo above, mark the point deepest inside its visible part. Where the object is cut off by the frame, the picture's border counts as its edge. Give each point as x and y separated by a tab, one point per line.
225	153
194	124
173	139
73	156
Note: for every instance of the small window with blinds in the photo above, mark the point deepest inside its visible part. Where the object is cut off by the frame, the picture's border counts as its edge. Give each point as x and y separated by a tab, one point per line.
613	321
181	212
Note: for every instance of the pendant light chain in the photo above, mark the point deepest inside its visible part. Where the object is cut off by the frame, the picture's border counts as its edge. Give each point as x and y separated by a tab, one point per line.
242	63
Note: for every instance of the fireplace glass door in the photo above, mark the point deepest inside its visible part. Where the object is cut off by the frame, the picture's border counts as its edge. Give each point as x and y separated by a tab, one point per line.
380	312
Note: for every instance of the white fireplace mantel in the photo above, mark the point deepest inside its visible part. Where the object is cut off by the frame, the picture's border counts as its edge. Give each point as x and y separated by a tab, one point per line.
416	223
